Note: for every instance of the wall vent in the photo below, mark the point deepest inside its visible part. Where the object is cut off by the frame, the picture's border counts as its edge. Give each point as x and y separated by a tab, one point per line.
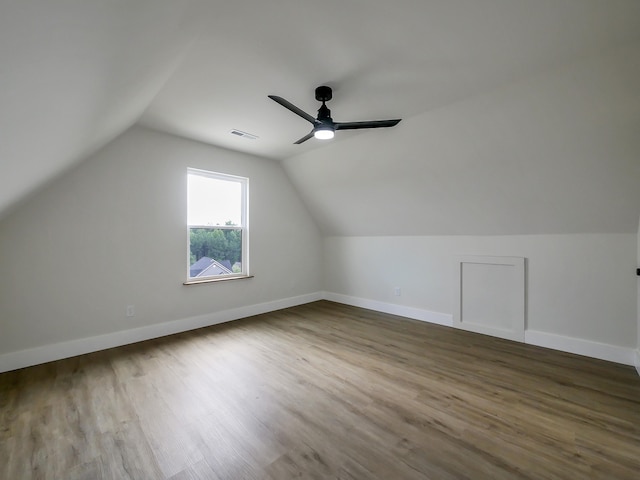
240	133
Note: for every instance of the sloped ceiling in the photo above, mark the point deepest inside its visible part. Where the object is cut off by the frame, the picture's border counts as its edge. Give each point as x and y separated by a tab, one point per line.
74	74
556	153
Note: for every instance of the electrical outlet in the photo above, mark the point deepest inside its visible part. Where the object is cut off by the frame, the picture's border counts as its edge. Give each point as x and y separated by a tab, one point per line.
397	292
131	311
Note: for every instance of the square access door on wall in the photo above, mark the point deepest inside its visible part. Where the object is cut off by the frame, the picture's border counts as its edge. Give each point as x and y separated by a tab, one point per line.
490	296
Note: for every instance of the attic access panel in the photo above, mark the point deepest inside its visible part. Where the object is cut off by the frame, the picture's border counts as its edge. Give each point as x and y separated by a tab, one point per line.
490	296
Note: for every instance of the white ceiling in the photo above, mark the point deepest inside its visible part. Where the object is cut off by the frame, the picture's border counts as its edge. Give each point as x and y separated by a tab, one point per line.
76	73
383	60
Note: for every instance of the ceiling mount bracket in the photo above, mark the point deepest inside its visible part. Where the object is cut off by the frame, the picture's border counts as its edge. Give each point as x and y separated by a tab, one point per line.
324	94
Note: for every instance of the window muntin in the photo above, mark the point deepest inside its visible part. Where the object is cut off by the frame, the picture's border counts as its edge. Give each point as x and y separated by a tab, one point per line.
217	225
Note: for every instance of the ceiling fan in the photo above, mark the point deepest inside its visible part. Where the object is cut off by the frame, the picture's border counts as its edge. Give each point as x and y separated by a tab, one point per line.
324	127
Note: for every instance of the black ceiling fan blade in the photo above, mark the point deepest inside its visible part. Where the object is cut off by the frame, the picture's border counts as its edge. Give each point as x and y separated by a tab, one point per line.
305	138
290	106
369	124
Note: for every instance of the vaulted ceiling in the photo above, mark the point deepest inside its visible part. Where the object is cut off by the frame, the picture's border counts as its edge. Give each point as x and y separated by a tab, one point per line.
477	83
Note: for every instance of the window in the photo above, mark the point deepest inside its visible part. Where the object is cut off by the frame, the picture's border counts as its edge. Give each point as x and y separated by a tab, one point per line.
217	223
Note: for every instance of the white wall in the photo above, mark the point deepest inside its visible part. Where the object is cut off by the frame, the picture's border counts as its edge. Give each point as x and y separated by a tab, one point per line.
112	232
578	286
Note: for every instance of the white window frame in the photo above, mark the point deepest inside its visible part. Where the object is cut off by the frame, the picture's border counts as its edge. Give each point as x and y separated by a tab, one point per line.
244	228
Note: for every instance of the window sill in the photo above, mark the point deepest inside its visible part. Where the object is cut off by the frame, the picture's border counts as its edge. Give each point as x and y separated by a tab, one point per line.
216	280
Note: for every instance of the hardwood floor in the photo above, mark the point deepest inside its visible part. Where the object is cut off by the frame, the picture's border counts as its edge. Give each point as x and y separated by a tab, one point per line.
321	391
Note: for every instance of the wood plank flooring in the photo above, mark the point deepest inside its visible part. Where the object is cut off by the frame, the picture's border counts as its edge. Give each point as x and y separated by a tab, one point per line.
322	391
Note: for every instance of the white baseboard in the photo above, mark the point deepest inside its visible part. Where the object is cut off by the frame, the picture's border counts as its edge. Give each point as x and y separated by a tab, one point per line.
72	348
392	308
602	351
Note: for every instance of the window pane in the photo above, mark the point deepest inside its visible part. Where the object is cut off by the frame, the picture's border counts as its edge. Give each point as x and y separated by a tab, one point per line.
212	201
215	251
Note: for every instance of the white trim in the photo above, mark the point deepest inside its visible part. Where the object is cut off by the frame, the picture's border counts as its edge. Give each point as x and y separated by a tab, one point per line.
72	348
392	308
603	351
638	361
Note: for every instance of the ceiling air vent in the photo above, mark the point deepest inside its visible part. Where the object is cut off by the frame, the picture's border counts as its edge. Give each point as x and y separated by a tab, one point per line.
240	133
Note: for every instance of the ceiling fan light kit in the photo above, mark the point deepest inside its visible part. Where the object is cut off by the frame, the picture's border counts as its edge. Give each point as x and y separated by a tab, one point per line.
323	133
324	127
